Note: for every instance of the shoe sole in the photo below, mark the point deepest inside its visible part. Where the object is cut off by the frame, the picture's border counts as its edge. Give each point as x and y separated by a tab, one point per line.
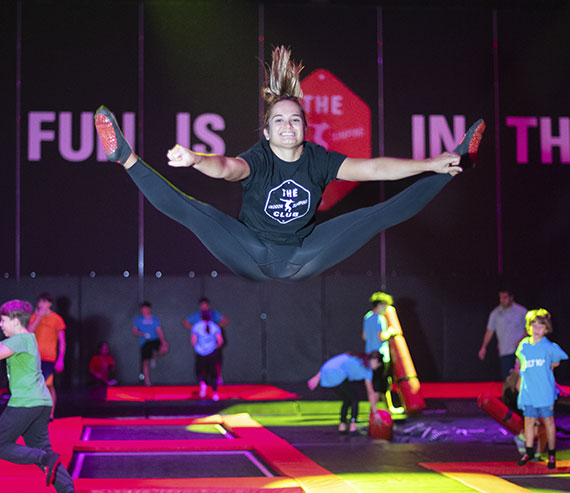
474	136
109	134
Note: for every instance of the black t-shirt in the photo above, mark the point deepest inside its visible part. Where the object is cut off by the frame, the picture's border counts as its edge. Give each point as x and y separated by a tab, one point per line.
280	198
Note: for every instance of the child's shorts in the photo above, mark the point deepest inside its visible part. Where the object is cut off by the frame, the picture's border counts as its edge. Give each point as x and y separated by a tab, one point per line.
535	412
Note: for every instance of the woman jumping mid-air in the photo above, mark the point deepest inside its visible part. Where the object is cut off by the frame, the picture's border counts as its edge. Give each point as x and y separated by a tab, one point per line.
283	178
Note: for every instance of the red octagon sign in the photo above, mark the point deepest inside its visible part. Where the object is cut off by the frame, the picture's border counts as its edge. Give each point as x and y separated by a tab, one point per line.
339	121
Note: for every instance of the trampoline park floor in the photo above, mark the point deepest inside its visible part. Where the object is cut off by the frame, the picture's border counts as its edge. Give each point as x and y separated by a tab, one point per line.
288	444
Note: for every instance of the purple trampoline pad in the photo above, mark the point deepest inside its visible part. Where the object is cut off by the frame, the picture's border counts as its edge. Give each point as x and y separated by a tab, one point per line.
158	432
146	465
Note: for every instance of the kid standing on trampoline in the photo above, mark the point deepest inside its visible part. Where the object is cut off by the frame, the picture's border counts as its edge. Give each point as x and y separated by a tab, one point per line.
538	357
207	340
283	177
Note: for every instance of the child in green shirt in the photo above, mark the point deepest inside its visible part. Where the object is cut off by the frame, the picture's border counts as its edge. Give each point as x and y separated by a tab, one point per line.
28	411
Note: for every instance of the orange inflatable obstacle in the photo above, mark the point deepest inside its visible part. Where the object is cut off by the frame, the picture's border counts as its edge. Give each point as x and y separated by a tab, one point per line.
501	413
403	368
509	419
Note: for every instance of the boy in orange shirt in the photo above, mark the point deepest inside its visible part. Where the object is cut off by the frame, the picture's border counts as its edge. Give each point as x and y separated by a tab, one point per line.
49	328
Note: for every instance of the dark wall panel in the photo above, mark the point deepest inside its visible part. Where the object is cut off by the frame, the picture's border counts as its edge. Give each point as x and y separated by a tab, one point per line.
419	303
293	329
240	302
345	302
109	306
173	299
436	63
534	84
8	125
77	216
466	311
200	62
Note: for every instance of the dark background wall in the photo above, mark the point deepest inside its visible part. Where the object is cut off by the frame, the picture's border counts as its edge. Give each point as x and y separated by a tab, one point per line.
77	227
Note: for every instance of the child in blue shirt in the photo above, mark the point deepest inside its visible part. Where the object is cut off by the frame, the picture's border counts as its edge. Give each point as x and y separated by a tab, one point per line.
340	373
151	339
538	357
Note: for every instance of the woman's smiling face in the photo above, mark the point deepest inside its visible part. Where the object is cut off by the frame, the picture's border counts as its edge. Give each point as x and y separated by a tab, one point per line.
286	125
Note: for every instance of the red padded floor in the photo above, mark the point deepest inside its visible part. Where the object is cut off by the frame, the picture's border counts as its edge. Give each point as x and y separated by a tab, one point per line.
186	392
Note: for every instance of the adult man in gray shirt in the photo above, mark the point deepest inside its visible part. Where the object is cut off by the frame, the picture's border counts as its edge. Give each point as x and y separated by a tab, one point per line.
507	321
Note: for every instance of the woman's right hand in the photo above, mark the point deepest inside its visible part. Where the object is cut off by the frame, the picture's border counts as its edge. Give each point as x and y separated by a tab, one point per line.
180	157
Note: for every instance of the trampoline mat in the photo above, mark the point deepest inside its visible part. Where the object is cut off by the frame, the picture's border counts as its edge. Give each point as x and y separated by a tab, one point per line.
147	465
156	432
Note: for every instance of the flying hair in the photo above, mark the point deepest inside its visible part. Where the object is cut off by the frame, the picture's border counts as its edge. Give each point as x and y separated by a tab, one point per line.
282	78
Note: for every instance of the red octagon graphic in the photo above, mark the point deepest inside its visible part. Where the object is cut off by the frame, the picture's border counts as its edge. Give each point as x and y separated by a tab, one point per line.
339	121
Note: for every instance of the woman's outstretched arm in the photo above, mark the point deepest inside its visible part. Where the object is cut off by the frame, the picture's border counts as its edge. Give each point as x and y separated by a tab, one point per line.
213	165
388	168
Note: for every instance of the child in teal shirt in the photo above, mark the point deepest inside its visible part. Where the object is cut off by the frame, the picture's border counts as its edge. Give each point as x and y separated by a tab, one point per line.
28	411
538	357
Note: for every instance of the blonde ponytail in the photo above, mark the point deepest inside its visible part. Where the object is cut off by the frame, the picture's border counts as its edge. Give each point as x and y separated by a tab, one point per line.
282	81
282	78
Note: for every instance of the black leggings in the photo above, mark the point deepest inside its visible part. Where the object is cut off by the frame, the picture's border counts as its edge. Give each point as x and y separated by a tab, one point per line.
206	369
347	393
237	247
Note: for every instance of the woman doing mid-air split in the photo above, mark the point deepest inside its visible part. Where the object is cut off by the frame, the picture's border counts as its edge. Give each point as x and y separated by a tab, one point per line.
283	178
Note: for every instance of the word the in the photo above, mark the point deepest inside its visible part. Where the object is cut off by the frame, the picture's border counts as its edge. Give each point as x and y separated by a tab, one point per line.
522	126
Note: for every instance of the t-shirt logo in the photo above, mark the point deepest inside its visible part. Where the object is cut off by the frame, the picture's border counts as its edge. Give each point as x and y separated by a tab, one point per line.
287	202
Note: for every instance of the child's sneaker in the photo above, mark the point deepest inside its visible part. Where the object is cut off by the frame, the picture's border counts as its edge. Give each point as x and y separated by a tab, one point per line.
524	459
50	462
115	145
469	145
551	461
520	443
215	396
